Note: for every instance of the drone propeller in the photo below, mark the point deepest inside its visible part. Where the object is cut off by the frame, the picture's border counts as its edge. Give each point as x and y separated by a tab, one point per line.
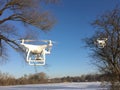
46	41
28	40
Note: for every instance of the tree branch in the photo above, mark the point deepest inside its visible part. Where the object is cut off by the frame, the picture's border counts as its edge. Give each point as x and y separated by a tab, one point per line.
10	41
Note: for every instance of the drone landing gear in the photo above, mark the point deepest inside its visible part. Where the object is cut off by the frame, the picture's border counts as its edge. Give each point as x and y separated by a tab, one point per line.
35	59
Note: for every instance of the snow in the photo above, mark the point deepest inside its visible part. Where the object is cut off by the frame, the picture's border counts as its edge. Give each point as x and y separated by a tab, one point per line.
58	86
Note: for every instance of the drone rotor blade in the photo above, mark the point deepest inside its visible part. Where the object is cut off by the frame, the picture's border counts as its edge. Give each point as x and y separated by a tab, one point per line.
54	42
48	41
45	41
28	40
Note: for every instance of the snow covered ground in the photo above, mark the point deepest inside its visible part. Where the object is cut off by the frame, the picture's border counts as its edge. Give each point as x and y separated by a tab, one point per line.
58	86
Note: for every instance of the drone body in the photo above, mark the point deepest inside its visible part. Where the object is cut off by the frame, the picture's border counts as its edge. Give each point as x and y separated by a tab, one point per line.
101	43
36	54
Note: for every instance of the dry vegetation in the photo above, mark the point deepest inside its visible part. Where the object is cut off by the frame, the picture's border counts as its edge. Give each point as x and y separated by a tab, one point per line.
40	78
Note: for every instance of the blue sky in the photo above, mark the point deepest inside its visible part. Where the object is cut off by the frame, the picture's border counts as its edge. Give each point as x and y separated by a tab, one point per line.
69	57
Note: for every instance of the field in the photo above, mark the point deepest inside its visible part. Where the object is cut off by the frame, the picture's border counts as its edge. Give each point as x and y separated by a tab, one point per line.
57	86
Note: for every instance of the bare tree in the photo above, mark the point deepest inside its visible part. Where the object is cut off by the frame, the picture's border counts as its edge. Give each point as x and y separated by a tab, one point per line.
28	12
107	59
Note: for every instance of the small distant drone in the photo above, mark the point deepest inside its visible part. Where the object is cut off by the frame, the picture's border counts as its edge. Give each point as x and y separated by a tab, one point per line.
101	42
36	54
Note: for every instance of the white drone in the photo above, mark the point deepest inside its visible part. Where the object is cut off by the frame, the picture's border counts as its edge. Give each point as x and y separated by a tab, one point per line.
101	43
36	54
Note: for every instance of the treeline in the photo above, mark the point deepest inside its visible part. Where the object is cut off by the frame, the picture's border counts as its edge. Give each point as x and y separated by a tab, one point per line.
82	78
39	78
